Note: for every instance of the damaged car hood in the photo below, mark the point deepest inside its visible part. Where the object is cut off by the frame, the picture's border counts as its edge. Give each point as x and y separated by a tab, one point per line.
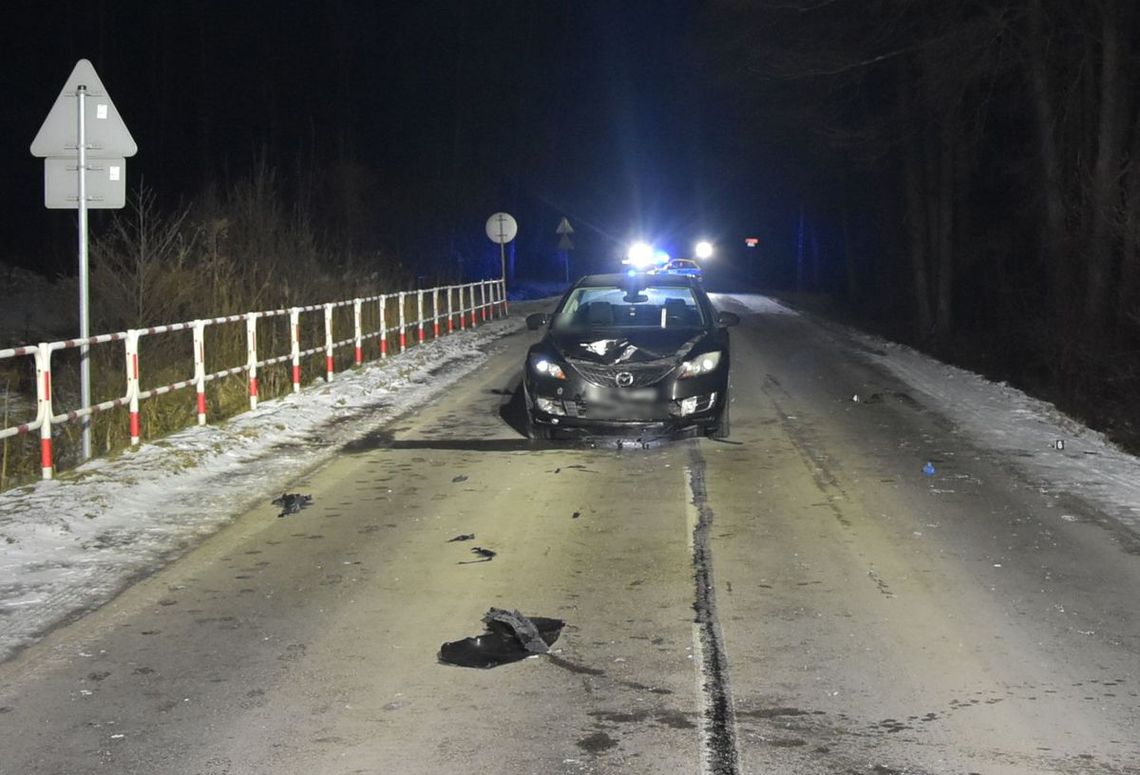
613	348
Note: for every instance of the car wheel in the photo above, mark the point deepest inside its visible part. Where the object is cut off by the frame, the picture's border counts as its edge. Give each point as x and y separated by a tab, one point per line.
721	429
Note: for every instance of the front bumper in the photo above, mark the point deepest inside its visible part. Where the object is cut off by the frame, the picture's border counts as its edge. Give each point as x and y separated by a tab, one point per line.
670	408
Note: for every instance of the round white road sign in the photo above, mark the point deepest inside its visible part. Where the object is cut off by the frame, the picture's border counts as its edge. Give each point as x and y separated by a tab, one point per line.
502	228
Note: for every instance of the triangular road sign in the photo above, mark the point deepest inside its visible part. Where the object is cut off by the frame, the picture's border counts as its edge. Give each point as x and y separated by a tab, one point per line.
106	134
564	227
564	243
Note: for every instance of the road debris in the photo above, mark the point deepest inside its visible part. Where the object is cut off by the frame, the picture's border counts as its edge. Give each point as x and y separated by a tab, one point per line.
460	478
509	637
928	469
292	502
485	555
462	537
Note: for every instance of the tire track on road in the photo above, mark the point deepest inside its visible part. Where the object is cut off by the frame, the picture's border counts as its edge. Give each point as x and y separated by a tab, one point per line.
719	753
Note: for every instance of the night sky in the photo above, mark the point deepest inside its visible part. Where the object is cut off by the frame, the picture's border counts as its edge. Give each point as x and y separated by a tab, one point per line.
596	111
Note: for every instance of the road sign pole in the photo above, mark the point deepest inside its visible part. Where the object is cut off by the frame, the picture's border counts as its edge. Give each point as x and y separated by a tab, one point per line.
503	264
84	328
104	140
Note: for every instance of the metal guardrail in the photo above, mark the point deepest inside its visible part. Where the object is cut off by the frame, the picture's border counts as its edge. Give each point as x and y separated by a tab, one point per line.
452	307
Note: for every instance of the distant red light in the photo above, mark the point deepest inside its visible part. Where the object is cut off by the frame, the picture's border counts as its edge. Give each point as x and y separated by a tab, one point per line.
751	241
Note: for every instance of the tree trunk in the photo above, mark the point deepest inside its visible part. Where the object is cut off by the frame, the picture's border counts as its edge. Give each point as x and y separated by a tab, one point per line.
917	230
851	271
1128	290
1053	241
800	252
1105	194
944	242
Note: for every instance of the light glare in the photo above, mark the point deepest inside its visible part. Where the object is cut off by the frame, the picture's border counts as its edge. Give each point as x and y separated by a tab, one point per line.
640	254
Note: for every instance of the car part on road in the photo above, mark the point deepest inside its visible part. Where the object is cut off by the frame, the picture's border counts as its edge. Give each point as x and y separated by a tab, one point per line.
291	503
510	637
485	555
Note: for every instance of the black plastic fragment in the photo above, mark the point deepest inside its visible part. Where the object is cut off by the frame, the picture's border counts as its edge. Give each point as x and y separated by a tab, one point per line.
292	502
486	554
462	537
510	637
524	629
460	478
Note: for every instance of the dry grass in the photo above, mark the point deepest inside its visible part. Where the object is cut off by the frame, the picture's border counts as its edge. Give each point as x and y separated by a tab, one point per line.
239	251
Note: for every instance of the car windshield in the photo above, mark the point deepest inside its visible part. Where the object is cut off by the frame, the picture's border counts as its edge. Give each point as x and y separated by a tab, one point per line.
608	307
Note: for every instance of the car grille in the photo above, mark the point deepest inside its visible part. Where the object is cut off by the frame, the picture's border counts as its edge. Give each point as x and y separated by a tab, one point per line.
644	374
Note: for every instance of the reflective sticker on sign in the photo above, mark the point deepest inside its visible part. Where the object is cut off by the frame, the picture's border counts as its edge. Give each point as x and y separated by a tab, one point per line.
101	111
115	172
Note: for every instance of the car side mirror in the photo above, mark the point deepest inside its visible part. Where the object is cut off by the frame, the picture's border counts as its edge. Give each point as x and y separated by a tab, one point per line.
537	320
724	319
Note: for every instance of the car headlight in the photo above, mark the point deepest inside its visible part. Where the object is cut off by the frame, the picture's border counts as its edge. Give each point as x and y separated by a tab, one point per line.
544	367
702	364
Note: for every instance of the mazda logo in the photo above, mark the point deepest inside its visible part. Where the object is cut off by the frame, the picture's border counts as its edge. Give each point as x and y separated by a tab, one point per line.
623	379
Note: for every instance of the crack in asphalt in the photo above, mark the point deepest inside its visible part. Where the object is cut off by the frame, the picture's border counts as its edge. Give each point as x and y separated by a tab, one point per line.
718	730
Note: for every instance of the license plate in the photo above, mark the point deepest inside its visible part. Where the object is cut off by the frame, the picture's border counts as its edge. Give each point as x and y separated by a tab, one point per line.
645	394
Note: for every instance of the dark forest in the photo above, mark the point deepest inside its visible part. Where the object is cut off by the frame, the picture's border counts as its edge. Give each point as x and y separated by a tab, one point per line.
970	173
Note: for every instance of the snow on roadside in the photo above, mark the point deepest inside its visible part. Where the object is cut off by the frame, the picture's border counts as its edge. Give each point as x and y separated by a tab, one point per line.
1026	429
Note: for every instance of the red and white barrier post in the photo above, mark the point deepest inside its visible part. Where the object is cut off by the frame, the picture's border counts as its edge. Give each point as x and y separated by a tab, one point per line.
329	342
43	398
403	329
251	356
295	346
503	296
359	339
200	368
420	315
473	306
435	313
450	313
132	353
483	300
383	327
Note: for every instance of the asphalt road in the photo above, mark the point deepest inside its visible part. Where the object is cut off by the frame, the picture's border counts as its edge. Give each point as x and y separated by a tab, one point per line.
798	599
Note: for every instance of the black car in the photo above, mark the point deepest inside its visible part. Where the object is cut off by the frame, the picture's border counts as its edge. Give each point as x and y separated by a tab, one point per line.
643	355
